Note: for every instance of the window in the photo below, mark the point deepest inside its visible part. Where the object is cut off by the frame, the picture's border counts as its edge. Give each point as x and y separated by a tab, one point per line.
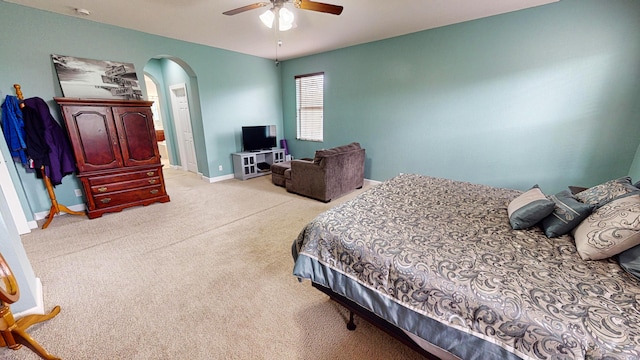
310	106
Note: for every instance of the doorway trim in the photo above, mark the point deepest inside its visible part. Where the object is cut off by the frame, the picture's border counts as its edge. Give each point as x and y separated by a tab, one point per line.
11	195
186	146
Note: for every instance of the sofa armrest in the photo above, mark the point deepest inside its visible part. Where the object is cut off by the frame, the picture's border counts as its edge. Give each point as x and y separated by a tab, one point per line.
344	173
306	170
308	179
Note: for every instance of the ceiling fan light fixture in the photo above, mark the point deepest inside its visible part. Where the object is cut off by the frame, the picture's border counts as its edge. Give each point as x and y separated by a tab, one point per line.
285	19
267	18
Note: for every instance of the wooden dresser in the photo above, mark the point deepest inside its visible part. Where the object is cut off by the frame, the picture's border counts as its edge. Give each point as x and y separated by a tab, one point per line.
116	152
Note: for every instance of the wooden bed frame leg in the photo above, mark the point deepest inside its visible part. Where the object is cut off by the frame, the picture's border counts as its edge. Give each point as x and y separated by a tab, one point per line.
375	320
351	326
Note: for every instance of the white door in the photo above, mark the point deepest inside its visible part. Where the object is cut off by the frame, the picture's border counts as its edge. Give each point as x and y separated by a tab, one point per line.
182	119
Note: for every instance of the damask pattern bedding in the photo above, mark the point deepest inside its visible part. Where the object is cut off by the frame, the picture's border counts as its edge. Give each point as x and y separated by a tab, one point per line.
428	253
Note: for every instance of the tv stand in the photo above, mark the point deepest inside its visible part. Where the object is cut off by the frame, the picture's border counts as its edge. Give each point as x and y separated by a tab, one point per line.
249	164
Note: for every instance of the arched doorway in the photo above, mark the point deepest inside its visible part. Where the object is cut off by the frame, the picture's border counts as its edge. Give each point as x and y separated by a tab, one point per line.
179	111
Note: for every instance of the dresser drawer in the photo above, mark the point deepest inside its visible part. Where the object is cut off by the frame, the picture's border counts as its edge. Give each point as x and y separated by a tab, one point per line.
124	176
124	185
127	196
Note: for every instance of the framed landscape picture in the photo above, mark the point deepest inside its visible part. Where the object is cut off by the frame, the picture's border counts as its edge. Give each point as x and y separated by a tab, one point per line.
101	79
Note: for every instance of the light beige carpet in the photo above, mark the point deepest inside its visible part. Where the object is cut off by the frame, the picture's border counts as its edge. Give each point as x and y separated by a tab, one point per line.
205	276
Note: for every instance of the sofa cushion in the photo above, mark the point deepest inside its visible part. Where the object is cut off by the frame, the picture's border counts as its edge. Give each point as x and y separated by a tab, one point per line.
279	168
336	150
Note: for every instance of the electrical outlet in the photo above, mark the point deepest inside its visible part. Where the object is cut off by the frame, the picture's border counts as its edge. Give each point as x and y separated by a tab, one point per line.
219	167
78	192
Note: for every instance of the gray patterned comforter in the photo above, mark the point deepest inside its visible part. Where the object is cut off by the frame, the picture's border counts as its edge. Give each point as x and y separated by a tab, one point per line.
444	251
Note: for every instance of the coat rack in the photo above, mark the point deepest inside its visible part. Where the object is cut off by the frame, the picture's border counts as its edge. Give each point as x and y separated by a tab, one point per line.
13	333
56	207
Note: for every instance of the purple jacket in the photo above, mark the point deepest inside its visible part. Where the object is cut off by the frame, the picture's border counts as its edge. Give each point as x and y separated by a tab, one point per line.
61	160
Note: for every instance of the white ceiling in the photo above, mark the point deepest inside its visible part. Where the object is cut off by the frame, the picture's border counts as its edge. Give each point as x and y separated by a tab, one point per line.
202	21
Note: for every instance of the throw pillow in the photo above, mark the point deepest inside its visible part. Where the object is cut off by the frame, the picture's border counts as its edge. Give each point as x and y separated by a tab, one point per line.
529	208
629	260
577	189
610	229
605	192
567	214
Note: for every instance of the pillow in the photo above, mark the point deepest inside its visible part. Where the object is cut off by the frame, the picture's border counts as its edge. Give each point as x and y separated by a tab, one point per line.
577	189
610	229
568	214
629	260
529	208
605	192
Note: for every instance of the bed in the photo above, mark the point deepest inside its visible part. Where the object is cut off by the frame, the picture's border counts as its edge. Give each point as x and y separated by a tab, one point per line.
437	263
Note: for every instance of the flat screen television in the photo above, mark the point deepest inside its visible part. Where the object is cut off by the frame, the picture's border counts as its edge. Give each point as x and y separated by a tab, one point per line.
256	138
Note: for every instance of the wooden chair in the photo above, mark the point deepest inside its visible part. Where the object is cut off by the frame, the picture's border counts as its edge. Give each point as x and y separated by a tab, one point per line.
13	333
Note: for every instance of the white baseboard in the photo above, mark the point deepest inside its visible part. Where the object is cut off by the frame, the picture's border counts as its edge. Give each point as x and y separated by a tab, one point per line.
373	182
217	178
39	308
43	214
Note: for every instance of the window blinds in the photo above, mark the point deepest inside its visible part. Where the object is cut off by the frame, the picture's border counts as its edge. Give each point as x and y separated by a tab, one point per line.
310	106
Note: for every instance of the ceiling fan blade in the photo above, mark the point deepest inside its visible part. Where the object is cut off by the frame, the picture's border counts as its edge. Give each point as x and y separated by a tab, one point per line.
246	8
318	6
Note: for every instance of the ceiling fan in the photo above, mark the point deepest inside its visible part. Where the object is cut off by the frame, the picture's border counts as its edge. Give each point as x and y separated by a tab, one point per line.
300	4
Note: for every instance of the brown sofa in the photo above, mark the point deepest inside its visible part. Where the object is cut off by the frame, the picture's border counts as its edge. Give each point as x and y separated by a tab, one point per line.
330	174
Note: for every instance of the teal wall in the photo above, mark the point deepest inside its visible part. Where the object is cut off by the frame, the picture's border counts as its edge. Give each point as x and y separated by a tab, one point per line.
548	95
228	89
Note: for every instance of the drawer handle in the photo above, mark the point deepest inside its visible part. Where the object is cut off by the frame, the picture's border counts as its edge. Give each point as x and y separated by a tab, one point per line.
105	200
154	191
102	189
151	173
152	181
